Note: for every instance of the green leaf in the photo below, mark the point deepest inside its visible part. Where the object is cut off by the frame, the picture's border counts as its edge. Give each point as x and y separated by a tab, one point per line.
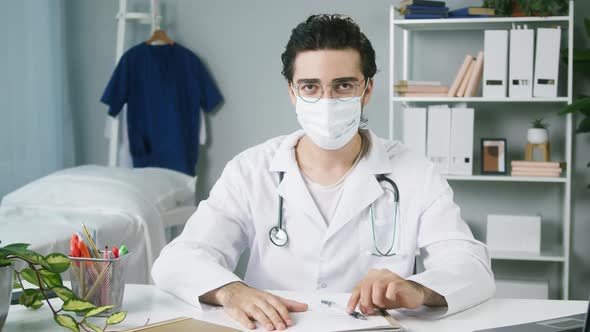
67	321
5	262
19	250
93	327
581	54
584	126
581	103
17	246
37	304
77	305
30	298
51	279
587	25
116	318
64	293
59	263
30	276
99	310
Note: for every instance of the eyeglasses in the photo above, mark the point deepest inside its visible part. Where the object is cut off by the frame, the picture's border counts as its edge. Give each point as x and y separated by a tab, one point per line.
313	91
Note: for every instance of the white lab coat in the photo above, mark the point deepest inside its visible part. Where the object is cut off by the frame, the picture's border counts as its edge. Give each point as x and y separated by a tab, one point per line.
243	205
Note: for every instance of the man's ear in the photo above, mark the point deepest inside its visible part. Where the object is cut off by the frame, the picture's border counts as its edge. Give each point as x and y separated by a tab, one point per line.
292	94
368	92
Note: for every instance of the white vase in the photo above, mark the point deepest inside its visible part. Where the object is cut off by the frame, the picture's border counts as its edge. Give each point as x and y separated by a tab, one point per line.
537	135
6	278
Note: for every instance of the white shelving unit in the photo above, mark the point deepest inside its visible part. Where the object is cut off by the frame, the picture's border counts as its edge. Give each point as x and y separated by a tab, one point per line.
560	253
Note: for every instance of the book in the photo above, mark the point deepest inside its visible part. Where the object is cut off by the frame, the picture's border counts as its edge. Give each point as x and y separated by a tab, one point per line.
407	82
467	16
538	164
475	79
424	10
463	86
423	94
535	169
183	324
472	11
421	88
431	3
536	174
424	16
460	75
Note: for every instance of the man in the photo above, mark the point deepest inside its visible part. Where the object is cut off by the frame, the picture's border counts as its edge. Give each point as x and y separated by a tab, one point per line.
332	207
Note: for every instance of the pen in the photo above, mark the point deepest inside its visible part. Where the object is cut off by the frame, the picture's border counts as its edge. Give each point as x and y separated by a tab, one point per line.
354	314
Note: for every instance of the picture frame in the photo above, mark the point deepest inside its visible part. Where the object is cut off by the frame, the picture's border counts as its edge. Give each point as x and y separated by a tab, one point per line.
493	156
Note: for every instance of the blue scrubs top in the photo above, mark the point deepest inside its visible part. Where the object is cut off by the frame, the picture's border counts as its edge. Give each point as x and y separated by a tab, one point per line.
165	87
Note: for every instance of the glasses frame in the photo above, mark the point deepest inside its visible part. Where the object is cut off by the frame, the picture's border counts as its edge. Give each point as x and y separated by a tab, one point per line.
356	89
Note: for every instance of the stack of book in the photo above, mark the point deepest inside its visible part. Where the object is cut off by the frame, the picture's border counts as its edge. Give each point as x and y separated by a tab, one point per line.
423	9
472	12
420	89
536	168
468	79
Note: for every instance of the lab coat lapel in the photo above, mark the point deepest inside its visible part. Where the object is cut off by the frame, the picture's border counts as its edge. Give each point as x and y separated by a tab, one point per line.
361	188
293	189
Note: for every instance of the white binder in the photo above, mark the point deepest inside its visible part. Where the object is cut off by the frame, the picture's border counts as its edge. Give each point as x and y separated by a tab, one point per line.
439	137
522	48
547	62
414	129
461	154
495	66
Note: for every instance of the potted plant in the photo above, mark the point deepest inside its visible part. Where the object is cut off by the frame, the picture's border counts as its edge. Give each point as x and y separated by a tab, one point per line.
528	7
45	273
538	134
581	106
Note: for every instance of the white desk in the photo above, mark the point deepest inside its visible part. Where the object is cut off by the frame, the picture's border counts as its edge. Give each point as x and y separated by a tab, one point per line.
145	302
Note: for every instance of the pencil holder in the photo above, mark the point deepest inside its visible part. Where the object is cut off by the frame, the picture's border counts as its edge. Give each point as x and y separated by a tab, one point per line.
99	281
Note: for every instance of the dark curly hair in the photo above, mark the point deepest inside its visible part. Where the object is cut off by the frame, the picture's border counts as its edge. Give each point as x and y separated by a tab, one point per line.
328	31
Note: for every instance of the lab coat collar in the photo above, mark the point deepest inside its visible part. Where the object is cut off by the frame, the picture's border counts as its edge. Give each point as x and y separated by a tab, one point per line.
377	158
292	188
360	189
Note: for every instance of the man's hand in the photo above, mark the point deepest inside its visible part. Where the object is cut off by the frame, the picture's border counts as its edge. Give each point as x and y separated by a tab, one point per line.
385	289
246	304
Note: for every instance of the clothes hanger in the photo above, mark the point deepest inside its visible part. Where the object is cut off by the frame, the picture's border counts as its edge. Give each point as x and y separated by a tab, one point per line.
159	36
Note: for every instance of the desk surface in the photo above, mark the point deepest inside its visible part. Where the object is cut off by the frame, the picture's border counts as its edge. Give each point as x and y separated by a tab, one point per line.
145	302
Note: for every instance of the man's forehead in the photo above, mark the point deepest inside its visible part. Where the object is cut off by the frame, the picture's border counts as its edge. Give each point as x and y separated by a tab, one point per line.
327	65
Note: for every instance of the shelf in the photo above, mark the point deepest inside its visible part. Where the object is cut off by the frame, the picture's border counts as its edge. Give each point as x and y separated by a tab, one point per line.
503	178
551	255
478	100
475	23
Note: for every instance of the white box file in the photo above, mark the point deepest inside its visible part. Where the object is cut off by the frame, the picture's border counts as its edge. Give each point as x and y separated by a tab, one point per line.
514	233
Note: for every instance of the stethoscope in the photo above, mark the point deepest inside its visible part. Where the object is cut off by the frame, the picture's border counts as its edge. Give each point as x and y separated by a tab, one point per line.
278	235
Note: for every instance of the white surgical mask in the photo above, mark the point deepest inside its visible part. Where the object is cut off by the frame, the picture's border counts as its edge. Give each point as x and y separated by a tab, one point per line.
330	123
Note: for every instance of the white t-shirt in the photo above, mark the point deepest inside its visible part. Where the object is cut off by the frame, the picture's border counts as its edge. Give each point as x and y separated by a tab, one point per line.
327	198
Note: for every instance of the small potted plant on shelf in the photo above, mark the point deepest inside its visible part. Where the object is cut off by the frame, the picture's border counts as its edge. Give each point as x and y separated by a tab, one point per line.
45	273
538	134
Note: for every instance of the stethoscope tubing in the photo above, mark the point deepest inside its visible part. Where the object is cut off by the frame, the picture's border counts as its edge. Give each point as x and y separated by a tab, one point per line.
276	230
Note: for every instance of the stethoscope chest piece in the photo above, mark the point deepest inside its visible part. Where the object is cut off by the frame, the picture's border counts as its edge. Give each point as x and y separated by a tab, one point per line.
278	236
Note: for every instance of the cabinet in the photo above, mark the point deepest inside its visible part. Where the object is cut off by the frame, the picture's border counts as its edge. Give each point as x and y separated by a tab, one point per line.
433	49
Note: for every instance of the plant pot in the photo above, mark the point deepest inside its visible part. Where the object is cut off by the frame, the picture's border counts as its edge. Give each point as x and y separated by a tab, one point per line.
537	135
6	278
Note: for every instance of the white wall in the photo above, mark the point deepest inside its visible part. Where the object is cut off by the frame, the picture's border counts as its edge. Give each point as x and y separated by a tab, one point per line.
241	42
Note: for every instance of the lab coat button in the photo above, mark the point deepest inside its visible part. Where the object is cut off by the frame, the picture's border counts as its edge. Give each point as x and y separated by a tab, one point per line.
323	285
